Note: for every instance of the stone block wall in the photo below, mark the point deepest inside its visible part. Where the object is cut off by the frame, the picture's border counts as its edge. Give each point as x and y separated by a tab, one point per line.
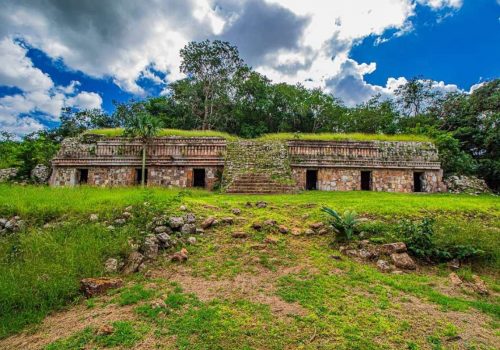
63	177
171	176
387	180
433	181
7	173
392	180
111	176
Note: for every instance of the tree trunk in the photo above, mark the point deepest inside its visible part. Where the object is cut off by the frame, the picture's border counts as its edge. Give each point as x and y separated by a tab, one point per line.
143	170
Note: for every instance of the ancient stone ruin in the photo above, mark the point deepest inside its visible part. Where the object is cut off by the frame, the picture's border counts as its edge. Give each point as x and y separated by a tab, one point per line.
245	166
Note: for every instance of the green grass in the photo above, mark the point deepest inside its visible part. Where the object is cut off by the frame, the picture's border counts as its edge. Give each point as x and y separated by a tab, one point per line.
40	268
277	136
167	132
344	137
125	335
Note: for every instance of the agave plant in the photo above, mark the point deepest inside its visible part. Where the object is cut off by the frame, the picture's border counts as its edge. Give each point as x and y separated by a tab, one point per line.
344	225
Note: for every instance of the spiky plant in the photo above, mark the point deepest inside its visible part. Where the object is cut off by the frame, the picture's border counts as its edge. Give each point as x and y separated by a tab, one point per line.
344	225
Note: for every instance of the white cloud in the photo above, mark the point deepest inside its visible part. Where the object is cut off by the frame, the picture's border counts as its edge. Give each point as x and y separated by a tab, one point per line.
85	100
38	93
16	70
439	4
292	41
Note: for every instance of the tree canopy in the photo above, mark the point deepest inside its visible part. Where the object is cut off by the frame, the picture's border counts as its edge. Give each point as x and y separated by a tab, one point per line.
220	92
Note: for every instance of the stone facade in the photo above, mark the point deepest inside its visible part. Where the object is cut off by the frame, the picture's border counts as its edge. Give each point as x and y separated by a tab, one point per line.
286	165
7	174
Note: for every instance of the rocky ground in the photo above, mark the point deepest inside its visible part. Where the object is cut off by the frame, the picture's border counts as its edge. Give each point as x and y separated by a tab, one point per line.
242	277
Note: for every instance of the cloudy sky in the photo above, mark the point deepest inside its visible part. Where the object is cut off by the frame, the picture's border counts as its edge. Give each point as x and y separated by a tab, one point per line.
87	53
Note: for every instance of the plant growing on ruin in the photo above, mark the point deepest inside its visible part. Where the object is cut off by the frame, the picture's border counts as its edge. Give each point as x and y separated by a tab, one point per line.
144	126
344	225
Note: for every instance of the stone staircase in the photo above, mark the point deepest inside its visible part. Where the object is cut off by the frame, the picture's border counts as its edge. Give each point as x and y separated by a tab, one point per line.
257	167
258	184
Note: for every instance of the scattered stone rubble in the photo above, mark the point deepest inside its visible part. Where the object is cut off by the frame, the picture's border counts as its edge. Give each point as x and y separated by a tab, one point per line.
466	184
391	257
40	174
477	284
12	225
7	174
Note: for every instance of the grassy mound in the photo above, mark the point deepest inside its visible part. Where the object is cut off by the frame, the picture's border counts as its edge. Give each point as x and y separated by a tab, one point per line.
278	136
166	132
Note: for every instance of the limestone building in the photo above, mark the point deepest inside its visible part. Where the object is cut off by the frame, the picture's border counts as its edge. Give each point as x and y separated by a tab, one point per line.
250	166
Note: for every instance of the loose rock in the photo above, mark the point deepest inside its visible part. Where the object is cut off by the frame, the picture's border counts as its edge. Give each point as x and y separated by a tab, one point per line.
120	221
283	229
228	220
111	265
182	208
270	223
94	217
175	222
236	211
164	239
96	286
257	226
316	225
134	260
479	286
208	222
188	229
384	266
403	261
200	231
190	218
191	240
180	256
162	229
261	204
309	232
391	248
150	247
239	234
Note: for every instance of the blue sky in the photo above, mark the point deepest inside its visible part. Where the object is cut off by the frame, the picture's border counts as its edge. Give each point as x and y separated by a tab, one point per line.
85	54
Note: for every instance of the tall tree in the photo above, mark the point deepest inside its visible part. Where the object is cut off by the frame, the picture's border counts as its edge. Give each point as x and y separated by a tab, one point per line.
144	126
212	64
415	96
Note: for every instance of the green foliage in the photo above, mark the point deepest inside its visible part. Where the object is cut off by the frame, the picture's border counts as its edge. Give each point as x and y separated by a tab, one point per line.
344	225
40	270
125	334
77	341
134	294
419	238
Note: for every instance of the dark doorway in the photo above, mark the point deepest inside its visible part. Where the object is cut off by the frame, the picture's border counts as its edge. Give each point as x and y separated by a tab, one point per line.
366	180
199	178
417	181
138	176
311	180
83	176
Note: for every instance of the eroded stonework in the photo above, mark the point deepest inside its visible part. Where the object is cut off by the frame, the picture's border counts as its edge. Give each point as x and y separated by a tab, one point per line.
285	165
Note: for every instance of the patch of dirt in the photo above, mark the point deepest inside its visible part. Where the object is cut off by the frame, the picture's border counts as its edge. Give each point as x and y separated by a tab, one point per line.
426	318
66	323
257	288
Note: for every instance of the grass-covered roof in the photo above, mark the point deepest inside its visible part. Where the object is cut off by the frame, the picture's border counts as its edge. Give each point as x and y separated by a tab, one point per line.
277	136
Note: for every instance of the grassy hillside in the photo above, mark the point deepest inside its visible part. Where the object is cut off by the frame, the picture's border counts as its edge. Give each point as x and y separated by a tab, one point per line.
229	294
278	136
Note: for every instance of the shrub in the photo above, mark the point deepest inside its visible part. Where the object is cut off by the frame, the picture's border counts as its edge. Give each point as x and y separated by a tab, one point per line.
345	225
418	237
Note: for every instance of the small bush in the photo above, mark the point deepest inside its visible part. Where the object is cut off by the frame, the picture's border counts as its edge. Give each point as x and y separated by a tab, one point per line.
418	237
344	225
